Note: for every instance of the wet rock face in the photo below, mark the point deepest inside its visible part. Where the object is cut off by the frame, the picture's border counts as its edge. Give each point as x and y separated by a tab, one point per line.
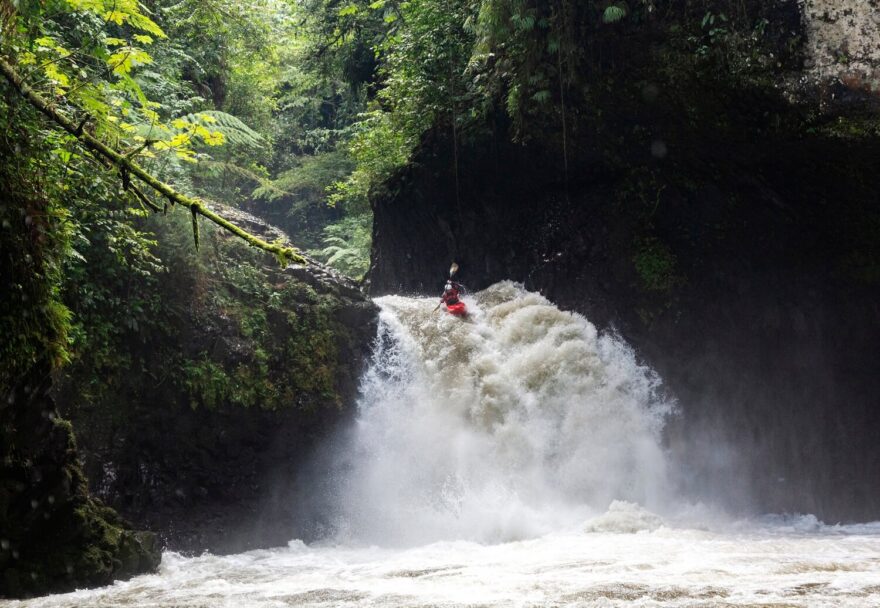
202	437
54	535
741	262
754	296
842	40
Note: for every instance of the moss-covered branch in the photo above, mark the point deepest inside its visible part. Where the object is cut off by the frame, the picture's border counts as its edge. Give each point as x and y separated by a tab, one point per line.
196	206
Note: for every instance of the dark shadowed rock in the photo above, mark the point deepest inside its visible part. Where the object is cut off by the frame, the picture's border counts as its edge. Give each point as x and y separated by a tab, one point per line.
265	361
742	262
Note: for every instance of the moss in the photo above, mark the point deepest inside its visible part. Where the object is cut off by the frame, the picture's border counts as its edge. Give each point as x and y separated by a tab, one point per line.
56	537
60	538
655	265
850	127
311	349
206	382
278	343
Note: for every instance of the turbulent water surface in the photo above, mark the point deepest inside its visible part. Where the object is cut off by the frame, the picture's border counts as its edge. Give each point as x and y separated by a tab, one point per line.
513	459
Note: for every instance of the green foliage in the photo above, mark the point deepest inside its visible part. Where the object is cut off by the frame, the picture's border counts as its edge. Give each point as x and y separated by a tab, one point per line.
85	55
378	148
207	382
347	245
309	180
282	340
655	265
614	12
423	76
35	237
527	54
232	129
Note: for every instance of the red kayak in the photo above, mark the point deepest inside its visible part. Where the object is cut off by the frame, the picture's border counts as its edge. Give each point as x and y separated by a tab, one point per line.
458	309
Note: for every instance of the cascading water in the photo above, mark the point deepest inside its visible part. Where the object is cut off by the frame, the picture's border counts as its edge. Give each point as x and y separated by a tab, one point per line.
518	421
512	459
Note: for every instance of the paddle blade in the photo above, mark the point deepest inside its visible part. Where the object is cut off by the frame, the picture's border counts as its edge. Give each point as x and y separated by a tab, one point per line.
453	269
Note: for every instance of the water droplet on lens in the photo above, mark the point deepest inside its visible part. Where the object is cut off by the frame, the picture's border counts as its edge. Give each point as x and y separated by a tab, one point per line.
659	149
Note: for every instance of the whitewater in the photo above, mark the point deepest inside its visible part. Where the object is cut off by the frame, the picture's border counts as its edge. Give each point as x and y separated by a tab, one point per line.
514	458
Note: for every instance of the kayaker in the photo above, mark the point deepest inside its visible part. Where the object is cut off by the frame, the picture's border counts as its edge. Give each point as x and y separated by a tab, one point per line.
451	297
451	293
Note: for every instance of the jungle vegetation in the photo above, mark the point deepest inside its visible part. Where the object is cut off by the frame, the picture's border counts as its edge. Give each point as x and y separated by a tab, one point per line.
116	110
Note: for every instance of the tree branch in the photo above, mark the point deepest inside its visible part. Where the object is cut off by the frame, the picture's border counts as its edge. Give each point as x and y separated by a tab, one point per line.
196	206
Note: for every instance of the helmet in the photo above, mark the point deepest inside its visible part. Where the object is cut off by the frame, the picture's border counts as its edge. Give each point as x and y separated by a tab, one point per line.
448	285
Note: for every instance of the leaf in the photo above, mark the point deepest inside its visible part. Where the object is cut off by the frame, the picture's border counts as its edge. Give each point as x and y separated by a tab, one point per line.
214	138
614	13
233	129
53	73
116	17
186	155
142	22
63	154
130	85
345	11
123	61
541	96
179	140
27	58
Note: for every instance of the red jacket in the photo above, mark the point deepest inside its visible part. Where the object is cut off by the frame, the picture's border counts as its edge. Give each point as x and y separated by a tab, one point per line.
450	296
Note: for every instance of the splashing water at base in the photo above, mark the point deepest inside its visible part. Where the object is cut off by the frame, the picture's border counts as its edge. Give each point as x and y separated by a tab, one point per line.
748	566
518	421
513	459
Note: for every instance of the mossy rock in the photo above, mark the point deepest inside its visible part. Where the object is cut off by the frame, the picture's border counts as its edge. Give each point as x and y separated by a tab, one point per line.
55	537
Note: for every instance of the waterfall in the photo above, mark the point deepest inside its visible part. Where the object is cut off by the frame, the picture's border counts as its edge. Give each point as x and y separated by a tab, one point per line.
519	420
510	459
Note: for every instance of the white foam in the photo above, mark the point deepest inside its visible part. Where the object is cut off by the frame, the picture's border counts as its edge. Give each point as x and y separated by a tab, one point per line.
624	517
481	471
669	567
520	420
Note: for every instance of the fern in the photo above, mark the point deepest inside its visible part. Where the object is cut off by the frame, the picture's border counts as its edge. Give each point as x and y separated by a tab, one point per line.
347	245
310	178
614	13
233	129
266	184
339	251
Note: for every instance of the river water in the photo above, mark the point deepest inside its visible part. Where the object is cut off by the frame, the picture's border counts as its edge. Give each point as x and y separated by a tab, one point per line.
513	459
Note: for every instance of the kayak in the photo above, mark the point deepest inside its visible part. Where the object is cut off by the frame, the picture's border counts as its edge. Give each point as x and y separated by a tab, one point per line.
458	309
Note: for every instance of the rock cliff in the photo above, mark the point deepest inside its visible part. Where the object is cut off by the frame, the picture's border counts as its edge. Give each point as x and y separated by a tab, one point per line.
724	221
200	435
